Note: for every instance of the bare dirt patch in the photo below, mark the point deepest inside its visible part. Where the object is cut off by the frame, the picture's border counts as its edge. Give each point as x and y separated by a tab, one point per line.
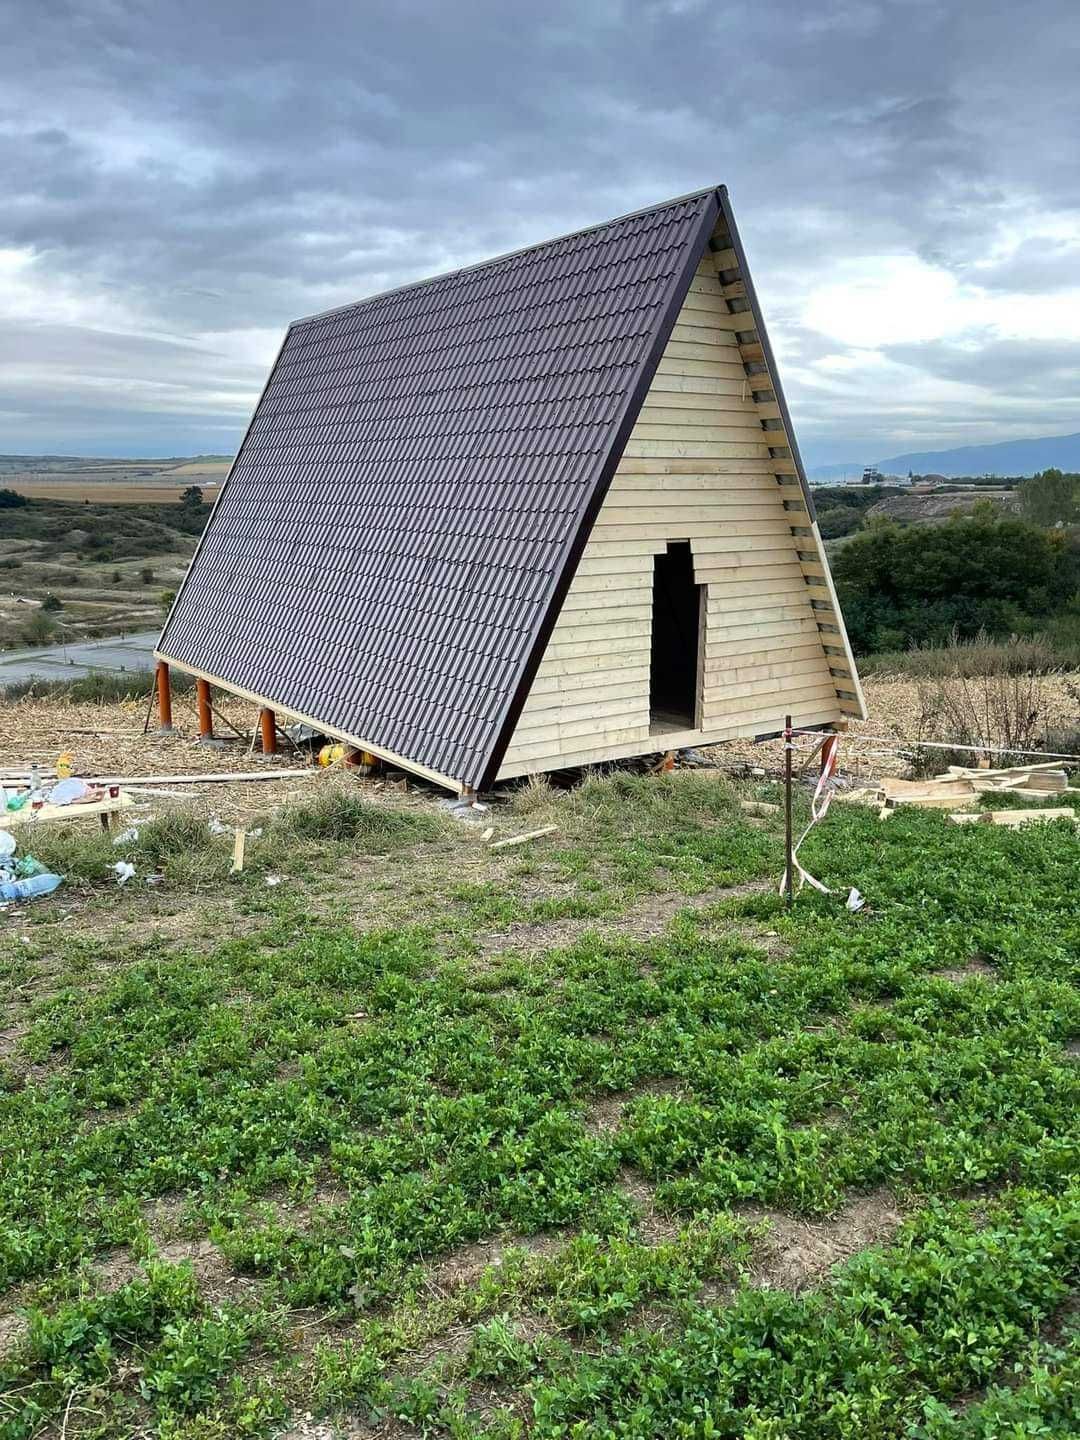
115	1269
462	1268
216	1278
13	1329
653	1227
796	1254
976	969
605	1114
646	920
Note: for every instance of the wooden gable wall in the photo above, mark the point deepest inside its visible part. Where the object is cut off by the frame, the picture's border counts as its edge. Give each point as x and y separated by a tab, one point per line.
707	462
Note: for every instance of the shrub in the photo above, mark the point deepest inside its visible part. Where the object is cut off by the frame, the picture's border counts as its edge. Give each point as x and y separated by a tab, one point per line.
51	602
146	575
974	572
1007	710
39	630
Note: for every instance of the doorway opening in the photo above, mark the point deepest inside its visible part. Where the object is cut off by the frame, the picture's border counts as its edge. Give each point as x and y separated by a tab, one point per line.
676	634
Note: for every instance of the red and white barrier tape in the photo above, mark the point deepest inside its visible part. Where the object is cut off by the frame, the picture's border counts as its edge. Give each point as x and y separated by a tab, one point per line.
819	805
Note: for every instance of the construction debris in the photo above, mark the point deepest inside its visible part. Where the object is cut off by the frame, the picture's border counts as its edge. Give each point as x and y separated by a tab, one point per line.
521	839
1013	819
960	787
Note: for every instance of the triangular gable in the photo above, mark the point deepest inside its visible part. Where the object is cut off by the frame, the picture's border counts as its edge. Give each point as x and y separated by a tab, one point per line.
390	551
709	469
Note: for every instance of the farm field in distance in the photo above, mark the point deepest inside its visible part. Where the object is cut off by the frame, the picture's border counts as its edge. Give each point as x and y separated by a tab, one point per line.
392	1134
111	481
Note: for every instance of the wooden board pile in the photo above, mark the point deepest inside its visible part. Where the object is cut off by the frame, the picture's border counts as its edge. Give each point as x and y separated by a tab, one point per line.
958	788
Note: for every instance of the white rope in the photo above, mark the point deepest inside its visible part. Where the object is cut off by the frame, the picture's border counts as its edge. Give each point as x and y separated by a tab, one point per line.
895	742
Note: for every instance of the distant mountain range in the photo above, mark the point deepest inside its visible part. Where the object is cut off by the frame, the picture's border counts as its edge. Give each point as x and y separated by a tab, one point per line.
1007	457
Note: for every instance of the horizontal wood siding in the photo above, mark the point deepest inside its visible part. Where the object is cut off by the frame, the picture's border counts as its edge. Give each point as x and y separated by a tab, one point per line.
700	467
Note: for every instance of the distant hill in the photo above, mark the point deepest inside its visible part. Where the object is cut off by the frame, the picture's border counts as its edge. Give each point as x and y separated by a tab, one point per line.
1007	457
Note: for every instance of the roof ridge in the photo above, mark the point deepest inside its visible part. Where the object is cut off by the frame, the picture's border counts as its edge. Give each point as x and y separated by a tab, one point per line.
506	255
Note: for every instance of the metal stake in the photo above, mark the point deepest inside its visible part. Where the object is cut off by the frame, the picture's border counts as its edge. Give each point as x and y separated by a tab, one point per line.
789	870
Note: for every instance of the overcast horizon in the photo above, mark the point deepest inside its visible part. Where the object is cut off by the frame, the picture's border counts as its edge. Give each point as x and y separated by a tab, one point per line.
180	184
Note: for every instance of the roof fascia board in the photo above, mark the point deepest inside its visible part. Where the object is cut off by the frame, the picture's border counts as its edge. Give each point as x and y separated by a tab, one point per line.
766	348
695	249
320	725
789	432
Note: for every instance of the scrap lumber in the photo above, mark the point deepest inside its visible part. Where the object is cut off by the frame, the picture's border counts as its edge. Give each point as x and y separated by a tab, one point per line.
521	839
1007	770
1013	819
759	807
215	779
77	810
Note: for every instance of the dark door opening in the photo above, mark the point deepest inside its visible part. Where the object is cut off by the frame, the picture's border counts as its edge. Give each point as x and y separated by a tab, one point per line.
676	627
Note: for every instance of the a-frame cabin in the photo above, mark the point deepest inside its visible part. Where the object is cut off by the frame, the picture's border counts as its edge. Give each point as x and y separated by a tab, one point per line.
544	512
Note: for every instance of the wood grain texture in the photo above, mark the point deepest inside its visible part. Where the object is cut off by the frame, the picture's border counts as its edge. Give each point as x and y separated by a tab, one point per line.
698	467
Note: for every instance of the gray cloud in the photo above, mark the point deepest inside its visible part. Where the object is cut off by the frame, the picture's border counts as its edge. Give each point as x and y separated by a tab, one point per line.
206	171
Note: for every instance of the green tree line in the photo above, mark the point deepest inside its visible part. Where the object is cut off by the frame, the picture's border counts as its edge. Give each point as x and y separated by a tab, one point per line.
902	585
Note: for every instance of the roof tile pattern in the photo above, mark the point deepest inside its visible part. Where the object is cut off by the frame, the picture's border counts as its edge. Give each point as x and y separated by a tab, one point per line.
407	498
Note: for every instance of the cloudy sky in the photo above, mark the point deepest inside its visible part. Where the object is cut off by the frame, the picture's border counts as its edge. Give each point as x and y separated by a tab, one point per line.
181	180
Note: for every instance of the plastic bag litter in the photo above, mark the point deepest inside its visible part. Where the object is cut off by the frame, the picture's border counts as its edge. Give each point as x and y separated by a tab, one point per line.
273	880
7	844
128	836
124	871
65	792
215	827
855	901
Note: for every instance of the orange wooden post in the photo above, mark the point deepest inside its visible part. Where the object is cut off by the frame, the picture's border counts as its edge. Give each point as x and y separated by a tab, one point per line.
202	706
164	697
268	730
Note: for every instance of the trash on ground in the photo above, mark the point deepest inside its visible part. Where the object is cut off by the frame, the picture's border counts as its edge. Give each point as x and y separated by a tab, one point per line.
128	836
125	870
855	901
273	880
22	877
30	888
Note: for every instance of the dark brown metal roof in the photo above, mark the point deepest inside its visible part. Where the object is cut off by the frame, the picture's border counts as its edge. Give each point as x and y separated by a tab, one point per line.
390	551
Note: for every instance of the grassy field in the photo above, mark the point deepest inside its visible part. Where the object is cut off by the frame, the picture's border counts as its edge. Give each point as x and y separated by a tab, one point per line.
584	1139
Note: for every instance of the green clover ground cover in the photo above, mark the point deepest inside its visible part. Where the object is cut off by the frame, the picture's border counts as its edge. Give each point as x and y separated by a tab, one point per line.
343	1111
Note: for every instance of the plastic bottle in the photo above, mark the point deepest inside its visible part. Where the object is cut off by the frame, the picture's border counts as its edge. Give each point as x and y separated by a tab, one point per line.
29	888
65	765
35	779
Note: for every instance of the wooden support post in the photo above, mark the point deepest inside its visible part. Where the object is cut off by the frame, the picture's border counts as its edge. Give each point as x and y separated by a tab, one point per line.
789	859
268	731
164	698
202	706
